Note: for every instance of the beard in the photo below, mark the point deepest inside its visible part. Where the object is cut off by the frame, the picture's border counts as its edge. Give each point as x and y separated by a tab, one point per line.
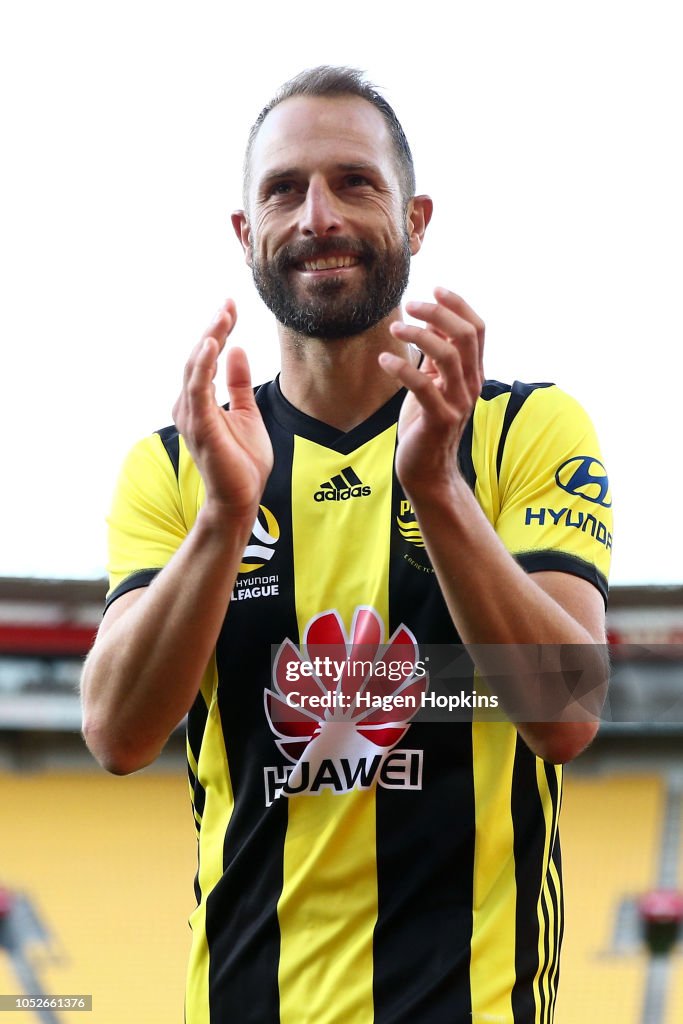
334	308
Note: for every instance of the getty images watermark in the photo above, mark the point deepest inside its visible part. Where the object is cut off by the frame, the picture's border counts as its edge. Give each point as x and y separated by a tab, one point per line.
354	686
495	682
439	682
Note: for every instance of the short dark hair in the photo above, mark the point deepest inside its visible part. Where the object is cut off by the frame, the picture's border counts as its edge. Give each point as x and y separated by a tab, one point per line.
326	80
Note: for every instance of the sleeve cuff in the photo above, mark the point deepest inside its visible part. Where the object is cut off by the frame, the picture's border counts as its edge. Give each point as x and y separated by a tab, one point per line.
141	578
560	561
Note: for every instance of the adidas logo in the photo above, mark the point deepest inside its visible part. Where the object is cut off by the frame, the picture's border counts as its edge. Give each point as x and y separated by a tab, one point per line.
343	486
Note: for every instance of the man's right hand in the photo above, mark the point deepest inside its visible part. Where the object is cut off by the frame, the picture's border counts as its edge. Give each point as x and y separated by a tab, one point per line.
231	448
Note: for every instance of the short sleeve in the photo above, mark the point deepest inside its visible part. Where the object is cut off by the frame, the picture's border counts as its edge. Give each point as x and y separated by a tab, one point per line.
146	524
555	499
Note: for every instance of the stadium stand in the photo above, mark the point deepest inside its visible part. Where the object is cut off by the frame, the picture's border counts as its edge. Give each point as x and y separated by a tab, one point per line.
610	829
107	864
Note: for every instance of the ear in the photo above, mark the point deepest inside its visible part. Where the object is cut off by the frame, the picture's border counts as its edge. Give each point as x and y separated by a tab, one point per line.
418	216
243	232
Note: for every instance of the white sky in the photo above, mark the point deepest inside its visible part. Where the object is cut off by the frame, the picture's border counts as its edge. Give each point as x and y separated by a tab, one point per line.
547	134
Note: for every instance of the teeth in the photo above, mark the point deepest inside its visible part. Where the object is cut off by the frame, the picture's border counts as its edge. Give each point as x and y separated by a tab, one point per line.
331	263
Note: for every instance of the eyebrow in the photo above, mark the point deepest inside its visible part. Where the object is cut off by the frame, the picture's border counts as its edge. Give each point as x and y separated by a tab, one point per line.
293	172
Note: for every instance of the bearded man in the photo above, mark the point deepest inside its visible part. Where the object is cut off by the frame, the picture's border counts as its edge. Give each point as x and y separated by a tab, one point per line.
273	562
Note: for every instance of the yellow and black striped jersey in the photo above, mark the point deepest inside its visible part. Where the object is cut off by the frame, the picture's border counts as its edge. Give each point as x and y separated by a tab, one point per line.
355	869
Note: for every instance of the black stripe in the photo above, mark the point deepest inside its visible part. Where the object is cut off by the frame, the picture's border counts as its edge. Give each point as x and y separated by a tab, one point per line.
555	976
170	440
529	841
562	561
465	460
425	839
199	798
339	482
137	579
297	422
518	396
241	921
425	865
352	478
196	723
491	389
197	886
194	733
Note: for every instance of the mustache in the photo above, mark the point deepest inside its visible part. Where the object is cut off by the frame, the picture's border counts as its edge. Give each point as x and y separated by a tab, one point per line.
319	248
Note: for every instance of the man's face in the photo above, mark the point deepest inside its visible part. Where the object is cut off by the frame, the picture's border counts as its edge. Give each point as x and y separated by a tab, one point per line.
327	234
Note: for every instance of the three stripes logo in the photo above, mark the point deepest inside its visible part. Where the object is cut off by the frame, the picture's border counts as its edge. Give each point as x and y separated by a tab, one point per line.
342	486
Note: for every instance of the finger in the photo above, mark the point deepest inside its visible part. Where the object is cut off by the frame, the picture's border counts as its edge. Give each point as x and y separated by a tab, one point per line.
447	323
459	306
192	359
219	329
430	397
238	377
198	377
442	349
223	322
442	355
459	381
199	388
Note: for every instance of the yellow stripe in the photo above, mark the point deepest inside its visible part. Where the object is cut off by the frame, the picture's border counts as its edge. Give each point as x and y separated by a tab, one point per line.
341	561
557	922
546	902
488	423
541	979
192	760
557	881
492	964
214	775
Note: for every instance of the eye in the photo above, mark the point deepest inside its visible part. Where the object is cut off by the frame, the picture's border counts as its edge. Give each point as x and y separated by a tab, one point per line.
356	180
281	188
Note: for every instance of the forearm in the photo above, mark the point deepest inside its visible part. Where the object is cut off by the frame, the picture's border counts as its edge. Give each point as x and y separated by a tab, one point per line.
494	602
144	671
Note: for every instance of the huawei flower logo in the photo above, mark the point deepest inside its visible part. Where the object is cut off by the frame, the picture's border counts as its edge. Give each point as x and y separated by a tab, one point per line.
341	702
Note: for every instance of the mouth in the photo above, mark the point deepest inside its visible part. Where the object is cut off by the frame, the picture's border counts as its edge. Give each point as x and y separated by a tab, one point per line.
326	265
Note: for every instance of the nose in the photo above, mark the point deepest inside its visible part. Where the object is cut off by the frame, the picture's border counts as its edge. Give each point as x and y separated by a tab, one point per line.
320	212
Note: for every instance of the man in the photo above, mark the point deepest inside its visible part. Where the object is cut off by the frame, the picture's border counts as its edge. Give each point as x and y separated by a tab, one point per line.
366	498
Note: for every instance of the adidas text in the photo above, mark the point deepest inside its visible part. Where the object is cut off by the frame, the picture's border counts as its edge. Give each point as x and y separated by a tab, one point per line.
344	495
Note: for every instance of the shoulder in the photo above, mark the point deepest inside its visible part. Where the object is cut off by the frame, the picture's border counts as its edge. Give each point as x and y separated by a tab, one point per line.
522	413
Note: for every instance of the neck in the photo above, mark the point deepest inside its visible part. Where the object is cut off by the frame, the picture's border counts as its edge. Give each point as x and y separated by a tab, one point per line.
339	382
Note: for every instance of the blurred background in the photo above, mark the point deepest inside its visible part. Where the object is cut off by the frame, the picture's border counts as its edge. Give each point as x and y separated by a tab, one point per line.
546	136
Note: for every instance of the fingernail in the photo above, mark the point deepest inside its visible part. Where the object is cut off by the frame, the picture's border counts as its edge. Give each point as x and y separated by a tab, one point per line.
388	359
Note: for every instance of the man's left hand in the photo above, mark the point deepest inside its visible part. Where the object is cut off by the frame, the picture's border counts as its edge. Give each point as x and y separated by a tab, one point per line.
443	391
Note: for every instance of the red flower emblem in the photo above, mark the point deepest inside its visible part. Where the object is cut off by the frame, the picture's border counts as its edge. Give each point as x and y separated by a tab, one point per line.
357	677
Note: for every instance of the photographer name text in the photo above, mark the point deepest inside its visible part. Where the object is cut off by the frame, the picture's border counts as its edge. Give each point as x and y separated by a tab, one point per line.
400	672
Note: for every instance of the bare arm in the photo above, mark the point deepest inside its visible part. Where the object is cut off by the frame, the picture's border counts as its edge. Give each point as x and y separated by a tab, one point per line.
146	665
491	599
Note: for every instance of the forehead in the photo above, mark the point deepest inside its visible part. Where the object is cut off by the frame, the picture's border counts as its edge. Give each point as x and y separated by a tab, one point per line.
309	132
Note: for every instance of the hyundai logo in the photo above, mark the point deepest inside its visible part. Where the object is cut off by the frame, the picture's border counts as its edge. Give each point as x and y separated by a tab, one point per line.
585	477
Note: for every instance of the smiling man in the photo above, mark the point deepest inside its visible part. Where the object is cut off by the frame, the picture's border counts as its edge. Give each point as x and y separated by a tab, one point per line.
334	283
277	568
